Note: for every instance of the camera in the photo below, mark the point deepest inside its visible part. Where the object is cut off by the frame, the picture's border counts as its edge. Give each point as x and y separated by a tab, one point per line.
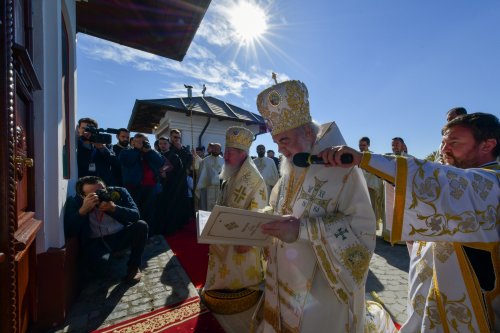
103	195
146	144
98	137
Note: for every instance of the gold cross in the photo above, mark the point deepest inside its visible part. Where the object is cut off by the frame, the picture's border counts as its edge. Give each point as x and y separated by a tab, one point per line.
314	198
240	194
223	271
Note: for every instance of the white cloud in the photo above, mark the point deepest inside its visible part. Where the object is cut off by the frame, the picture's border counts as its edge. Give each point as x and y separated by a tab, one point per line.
215	27
204	62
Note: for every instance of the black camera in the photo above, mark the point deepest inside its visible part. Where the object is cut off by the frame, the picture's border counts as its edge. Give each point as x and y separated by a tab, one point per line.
98	137
103	195
146	144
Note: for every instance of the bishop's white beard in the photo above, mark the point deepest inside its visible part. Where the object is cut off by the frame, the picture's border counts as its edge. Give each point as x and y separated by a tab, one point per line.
228	171
286	166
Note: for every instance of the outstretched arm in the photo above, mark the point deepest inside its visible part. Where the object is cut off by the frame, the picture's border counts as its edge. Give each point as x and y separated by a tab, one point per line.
332	156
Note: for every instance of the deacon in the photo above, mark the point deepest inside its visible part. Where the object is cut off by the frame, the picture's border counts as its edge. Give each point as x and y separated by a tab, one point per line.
207	188
267	168
236	272
450	213
318	263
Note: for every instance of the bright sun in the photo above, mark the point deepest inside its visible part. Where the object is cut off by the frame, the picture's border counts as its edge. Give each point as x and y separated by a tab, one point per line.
249	22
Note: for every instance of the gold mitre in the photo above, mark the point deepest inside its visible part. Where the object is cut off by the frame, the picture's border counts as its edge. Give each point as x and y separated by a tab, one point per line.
239	137
284	106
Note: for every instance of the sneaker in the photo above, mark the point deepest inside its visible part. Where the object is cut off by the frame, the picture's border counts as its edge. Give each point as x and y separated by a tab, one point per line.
134	275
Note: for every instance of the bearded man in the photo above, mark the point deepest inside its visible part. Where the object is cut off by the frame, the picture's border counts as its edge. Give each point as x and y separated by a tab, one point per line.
450	213
207	188
318	262
235	272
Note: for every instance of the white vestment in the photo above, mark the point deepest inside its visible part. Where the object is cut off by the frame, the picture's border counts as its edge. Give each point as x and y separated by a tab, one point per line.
207	188
228	269
268	170
317	283
447	212
376	191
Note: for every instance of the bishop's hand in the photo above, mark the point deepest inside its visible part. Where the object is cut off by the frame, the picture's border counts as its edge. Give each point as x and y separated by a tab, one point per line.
287	230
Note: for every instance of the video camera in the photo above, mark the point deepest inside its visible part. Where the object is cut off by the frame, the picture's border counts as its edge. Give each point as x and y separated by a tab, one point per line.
97	135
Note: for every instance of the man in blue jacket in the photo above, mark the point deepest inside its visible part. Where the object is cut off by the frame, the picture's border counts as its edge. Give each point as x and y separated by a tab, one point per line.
105	220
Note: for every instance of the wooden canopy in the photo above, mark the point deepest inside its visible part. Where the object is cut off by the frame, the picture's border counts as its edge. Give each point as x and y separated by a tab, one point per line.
162	27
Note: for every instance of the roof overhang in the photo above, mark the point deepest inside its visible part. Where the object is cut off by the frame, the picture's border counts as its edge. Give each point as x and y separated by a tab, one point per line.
162	27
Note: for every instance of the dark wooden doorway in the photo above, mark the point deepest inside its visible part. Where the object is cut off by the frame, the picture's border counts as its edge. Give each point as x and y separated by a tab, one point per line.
18	226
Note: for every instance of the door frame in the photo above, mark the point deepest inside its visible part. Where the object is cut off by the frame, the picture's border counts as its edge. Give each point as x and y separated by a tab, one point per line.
8	219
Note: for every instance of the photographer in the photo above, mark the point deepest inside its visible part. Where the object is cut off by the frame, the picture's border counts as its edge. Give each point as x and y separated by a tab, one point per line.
140	171
94	159
105	220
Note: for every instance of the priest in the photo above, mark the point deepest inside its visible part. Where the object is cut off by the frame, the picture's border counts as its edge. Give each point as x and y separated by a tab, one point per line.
235	272
207	188
449	215
267	168
318	262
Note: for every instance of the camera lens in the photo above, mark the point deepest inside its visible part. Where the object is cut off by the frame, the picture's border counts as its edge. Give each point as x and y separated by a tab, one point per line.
146	145
103	195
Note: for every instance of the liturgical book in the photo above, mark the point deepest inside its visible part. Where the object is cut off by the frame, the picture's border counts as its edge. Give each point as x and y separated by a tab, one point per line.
233	226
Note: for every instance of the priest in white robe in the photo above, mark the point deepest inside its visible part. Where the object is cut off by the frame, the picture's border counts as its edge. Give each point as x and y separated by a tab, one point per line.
267	168
208	185
375	185
451	214
318	262
235	273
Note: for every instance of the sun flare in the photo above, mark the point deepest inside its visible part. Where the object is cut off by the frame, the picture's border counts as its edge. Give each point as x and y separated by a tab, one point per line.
249	22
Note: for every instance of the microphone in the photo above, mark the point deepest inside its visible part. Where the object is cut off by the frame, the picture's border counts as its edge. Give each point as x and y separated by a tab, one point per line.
304	160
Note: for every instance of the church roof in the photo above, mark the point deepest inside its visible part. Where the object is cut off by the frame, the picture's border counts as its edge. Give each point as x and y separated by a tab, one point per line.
147	113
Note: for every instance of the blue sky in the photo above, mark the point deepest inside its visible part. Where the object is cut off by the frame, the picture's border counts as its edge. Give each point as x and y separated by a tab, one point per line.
380	69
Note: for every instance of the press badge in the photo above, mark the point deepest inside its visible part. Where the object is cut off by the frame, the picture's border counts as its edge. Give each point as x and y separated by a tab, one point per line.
92	167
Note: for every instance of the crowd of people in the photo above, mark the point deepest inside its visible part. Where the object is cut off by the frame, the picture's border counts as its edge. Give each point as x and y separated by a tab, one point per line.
125	186
313	274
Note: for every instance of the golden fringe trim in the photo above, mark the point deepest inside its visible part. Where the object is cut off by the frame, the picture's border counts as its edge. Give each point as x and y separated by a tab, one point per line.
229	302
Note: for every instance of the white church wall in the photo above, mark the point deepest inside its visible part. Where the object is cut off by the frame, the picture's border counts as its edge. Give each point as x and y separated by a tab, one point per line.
51	188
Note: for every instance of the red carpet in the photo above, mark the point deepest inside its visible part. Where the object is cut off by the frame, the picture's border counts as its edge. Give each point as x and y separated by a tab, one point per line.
188	316
192	256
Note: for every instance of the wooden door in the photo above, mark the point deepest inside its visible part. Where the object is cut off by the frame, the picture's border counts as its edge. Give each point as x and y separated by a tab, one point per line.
18	226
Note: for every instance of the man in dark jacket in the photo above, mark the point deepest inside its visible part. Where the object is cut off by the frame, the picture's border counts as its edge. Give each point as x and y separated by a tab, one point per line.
93	159
140	173
105	220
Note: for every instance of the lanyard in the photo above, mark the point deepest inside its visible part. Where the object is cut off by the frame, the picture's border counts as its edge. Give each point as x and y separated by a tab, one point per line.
99	217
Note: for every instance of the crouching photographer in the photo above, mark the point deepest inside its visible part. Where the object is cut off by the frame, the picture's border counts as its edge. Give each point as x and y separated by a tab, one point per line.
105	220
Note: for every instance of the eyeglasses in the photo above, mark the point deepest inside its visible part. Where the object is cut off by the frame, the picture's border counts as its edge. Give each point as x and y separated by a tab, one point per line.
176	137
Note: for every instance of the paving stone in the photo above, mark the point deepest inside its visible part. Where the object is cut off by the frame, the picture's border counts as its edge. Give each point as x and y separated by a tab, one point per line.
107	301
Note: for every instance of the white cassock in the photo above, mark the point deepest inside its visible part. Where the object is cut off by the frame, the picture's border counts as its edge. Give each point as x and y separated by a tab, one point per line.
317	283
207	188
452	215
376	191
268	170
